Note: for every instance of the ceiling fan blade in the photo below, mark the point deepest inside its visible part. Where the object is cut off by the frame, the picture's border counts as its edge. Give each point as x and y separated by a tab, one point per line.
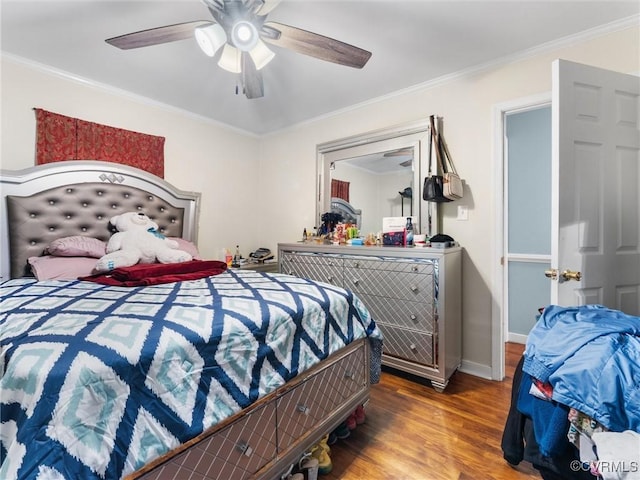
251	78
406	163
402	152
316	45
156	36
217	5
267	6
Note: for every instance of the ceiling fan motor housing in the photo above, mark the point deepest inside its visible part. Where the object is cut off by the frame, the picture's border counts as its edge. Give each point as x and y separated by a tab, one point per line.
244	35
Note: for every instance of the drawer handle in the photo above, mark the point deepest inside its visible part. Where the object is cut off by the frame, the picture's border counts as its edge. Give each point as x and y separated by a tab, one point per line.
304	409
329	262
357	265
413	347
413	317
414	268
349	374
245	449
414	288
330	278
356	281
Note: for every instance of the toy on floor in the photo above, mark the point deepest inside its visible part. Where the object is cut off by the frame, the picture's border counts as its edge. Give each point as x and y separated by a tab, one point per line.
138	241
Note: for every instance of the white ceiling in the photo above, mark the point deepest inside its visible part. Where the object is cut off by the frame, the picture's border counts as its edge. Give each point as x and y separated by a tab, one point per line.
394	161
413	42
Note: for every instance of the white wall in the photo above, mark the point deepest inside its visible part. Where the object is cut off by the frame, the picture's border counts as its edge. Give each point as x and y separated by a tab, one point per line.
200	155
466	105
389	188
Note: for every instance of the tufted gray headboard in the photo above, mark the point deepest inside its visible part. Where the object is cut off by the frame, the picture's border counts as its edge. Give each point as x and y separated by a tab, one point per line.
56	200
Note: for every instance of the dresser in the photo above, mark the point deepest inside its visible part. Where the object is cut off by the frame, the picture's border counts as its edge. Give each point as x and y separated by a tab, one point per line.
413	294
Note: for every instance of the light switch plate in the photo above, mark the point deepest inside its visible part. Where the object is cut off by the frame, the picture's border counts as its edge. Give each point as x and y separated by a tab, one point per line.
463	212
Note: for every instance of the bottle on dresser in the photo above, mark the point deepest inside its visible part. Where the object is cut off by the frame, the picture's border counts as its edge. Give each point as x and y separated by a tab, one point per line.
409	232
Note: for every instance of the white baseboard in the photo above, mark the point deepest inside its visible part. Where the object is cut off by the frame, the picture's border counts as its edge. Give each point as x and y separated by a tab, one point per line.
517	338
476	369
485	371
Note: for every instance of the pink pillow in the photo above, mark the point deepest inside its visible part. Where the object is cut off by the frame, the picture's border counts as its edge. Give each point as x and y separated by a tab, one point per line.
61	268
187	246
76	246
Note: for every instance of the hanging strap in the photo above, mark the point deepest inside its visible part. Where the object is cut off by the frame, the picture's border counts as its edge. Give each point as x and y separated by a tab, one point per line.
437	145
447	155
442	151
430	147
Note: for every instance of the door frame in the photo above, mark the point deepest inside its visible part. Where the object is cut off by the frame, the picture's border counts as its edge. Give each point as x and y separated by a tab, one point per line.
499	284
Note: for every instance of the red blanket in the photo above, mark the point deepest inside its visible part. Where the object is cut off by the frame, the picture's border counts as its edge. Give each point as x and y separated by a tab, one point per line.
155	273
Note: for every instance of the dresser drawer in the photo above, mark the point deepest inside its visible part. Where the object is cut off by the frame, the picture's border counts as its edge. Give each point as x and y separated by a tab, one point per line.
315	267
391	283
416	315
313	400
390	265
237	451
411	345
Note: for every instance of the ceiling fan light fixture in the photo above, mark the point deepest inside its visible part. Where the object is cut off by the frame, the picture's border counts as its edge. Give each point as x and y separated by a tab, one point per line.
230	59
210	38
261	55
244	35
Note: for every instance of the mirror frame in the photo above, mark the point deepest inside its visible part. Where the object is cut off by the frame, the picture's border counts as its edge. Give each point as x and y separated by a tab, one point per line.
416	135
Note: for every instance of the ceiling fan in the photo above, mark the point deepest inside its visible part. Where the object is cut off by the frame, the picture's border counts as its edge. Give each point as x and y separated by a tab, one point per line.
402	152
240	29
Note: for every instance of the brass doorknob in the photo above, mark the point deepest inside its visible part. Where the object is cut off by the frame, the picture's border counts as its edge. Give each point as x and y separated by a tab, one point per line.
570	275
552	273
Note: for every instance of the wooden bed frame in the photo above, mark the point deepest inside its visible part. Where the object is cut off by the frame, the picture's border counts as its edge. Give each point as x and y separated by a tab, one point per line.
51	201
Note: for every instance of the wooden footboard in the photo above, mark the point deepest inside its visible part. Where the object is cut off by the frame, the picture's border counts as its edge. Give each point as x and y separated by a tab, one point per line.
263	440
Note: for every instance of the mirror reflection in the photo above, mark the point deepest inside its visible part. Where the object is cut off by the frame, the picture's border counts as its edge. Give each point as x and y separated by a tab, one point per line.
366	188
375	175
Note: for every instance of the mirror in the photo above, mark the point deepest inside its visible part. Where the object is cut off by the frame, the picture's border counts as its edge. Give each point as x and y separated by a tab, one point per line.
376	175
379	184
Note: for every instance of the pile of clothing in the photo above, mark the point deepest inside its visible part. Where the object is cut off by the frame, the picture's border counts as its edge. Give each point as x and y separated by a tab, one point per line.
576	394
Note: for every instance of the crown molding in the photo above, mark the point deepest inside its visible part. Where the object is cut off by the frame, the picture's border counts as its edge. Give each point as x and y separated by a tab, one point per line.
109	89
580	37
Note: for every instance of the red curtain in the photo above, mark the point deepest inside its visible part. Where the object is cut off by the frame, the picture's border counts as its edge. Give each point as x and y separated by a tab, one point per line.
340	189
65	138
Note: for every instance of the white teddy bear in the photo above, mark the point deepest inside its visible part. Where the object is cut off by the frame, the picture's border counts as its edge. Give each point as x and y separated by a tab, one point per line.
138	241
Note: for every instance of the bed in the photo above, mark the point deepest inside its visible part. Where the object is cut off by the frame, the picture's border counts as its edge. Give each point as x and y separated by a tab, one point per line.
234	375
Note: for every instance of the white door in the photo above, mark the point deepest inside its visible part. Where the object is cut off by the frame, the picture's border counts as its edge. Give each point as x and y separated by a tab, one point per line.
595	232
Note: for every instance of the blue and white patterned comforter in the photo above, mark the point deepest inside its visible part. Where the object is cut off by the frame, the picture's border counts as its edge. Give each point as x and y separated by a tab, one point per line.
99	380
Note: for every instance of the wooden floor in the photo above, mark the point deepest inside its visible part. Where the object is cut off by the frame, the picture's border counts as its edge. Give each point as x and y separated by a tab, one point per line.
413	432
